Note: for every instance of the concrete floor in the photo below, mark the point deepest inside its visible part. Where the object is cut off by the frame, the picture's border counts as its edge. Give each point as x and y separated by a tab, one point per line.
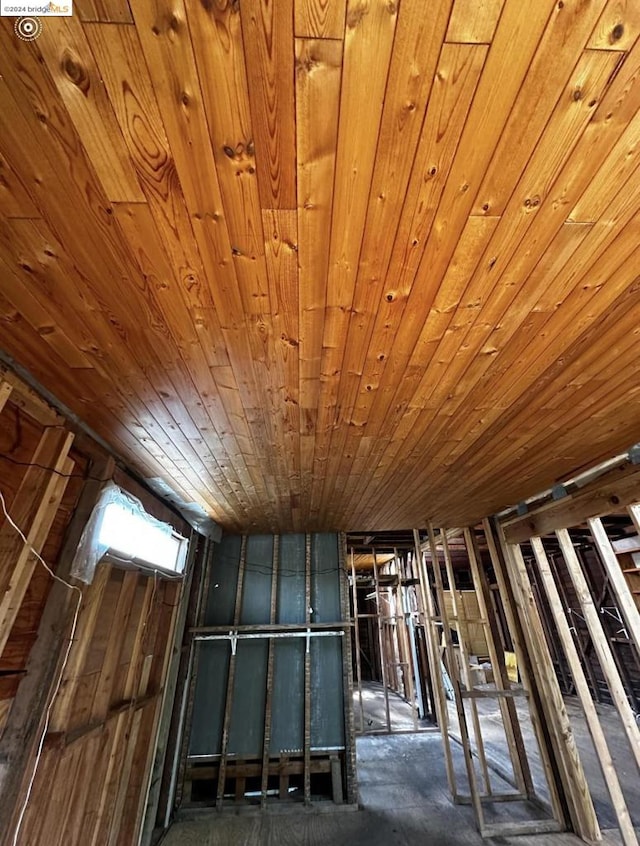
495	749
372	717
404	801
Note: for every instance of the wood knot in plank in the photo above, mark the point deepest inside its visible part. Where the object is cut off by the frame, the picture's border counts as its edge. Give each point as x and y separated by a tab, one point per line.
616	33
220	6
356	14
75	71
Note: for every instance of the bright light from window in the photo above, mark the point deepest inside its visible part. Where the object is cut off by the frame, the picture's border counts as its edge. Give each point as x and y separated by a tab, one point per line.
136	537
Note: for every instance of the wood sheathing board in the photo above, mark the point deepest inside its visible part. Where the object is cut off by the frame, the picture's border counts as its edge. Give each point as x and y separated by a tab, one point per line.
91	779
325	265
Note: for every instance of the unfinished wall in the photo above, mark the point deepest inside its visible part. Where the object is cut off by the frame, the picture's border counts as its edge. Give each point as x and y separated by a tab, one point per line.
91	774
267	716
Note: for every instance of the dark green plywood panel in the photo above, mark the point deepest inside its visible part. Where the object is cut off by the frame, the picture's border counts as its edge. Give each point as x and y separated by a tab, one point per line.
291	580
256	590
287	721
209	698
247	715
223	582
325	578
249	693
327	704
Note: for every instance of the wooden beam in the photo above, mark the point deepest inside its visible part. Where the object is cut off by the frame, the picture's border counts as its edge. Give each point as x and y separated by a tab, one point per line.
354	591
26	718
582	688
266	737
510	720
434	660
228	704
464	663
454	674
33	510
626	602
515	626
600	642
564	743
612	491
383	651
29	401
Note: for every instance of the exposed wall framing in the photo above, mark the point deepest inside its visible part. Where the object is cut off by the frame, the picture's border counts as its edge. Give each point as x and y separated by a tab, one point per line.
91	781
389	643
537	690
578	556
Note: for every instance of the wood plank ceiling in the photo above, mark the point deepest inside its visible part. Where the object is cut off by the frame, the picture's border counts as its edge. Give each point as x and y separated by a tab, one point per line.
328	264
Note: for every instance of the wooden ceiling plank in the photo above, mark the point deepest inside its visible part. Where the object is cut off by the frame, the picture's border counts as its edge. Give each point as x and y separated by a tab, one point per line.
474	22
594	433
36	248
470	248
118	52
216	35
455	365
416	52
122	67
318	77
609	269
14	199
487	117
615	173
599	273
20	295
455	84
319	18
471	158
318	73
73	70
550	369
164	37
34	254
282	367
540	103
268	41
618	27
593	74
595	293
508	469
582	361
97	250
166	46
105	11
369	38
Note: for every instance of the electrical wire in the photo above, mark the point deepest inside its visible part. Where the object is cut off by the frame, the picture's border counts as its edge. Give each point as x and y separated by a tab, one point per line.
63	667
84	476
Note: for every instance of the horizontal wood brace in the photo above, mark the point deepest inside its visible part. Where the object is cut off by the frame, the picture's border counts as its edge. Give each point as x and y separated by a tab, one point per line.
474	693
62	739
268	627
512	829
